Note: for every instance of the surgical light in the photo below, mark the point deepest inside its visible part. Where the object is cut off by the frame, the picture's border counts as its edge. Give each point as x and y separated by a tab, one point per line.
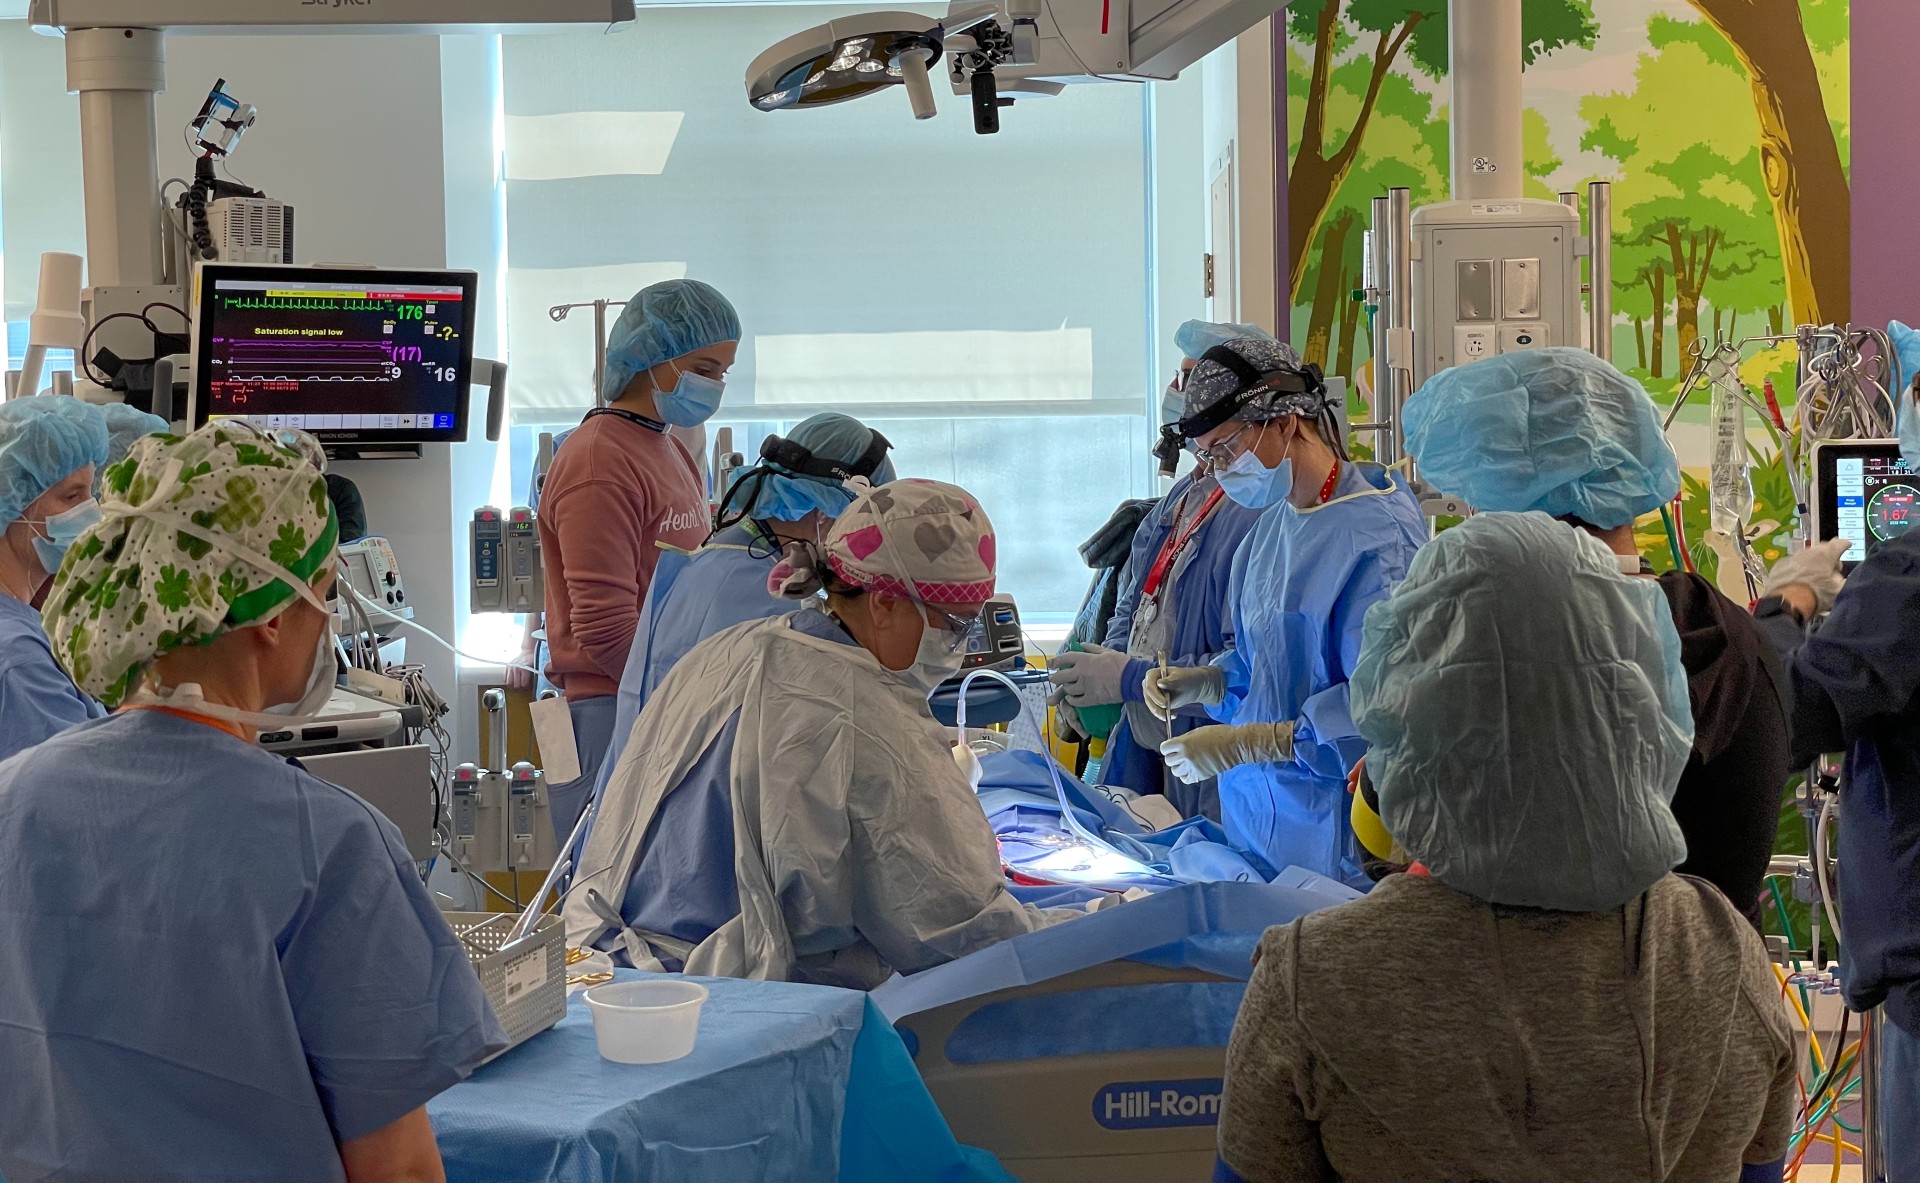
848	59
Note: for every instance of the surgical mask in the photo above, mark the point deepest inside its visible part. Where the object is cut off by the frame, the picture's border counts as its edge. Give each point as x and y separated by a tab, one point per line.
1255	486
61	531
692	401
937	658
1173	405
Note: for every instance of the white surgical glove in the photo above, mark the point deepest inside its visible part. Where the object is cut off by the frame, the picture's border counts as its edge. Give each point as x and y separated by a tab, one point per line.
1185	686
1817	568
969	765
1090	677
1207	752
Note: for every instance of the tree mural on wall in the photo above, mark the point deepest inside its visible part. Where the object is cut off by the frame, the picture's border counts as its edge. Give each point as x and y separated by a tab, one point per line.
1384	31
1805	179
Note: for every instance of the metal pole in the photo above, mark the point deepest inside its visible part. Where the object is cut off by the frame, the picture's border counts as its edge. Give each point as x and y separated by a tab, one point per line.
1873	1162
599	352
1570	199
1400	347
1600	266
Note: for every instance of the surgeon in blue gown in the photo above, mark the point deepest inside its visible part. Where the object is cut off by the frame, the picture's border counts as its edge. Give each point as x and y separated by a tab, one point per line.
1338	536
213	965
792	495
49	448
1172	602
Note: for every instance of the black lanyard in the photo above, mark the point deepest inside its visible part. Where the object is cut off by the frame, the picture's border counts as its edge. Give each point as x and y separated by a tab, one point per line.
629	416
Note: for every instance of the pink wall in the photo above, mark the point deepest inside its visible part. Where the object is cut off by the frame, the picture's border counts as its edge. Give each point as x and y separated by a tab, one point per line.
1886	162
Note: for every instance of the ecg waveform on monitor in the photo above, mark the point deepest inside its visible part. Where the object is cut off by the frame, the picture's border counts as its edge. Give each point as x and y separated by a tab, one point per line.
305	304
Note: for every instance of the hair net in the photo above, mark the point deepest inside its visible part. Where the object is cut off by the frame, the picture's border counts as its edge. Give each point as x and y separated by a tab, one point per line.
44	439
924	540
1529	717
1210	382
771	490
662	322
125	425
194	533
1197	336
1557	430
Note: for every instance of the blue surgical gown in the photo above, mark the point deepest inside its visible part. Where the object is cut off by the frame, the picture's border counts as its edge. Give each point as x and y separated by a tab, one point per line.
37	699
213	965
683	884
1302	583
692	597
1195	596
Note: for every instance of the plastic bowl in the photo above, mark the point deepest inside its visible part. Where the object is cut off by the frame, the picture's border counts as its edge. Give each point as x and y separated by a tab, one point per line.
647	1022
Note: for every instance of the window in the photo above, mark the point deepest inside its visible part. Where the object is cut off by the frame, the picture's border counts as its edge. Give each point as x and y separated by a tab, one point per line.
987	302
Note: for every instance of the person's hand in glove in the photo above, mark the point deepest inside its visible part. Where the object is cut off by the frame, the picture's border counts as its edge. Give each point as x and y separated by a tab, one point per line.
1185	686
1090	677
1816	569
1072	730
968	762
1207	752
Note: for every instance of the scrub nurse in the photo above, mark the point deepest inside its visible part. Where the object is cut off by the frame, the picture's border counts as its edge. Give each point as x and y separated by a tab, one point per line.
1339	535
1172	604
49	448
621	490
213	964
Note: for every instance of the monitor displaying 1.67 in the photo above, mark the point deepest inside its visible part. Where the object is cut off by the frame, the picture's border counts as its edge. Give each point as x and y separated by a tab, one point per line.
1872	495
350	356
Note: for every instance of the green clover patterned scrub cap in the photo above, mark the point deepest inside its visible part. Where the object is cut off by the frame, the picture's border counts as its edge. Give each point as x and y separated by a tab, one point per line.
198	537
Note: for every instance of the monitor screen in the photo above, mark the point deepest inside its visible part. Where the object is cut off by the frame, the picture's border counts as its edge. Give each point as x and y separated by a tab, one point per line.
352	355
1865	494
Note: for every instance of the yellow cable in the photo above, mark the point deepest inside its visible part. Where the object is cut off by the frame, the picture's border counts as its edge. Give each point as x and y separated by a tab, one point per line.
1813	1039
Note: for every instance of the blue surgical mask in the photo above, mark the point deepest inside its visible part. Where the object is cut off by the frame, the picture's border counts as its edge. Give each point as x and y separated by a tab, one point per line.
1252	484
692	401
1173	405
1909	431
61	531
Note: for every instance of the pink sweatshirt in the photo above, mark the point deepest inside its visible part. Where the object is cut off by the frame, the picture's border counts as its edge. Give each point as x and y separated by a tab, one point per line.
616	491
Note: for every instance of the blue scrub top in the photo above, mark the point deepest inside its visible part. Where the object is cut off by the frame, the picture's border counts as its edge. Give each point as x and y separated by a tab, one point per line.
37	699
683	883
1197	595
1302	584
1855	686
692	597
213	965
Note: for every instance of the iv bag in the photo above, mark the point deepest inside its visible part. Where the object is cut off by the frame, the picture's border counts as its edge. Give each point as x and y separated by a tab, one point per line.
1730	492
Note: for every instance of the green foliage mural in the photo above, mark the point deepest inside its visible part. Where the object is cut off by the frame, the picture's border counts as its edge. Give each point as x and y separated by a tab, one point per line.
1725	135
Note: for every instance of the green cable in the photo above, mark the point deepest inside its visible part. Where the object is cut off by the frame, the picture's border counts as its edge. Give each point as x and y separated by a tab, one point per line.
1673	538
1773	884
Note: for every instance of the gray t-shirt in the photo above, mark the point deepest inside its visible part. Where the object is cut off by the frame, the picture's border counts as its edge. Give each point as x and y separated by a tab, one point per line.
1422	1036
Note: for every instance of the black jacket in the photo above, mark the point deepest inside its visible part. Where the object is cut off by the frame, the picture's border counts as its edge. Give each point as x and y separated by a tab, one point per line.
1728	802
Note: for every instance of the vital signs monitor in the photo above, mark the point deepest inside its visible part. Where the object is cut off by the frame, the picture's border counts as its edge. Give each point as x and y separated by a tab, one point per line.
1864	493
351	355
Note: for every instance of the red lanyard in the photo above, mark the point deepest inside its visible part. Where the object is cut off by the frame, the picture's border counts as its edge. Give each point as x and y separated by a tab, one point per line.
1333	478
1171	548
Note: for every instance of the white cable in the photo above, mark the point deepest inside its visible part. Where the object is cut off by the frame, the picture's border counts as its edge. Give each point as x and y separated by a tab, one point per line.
429	634
1821	884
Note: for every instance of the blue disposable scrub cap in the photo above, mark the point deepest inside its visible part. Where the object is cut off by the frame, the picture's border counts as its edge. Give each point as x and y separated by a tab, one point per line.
1197	336
44	439
663	322
125	426
1557	430
1528	716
